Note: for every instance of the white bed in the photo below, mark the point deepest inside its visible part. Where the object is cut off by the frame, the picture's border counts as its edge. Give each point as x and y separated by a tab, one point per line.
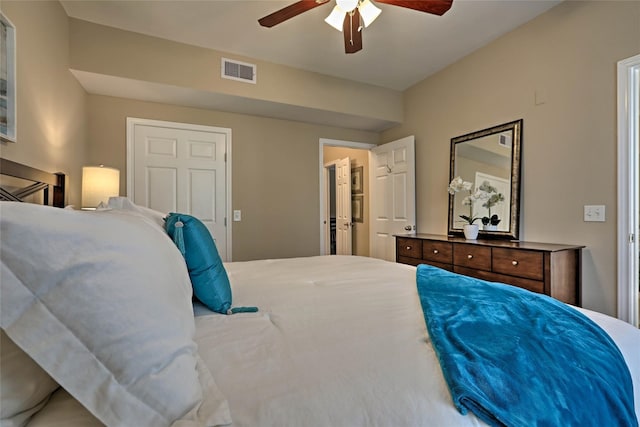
338	341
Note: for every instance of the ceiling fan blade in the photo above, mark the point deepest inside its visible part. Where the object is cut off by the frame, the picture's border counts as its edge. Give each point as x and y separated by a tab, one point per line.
352	32
436	7
290	11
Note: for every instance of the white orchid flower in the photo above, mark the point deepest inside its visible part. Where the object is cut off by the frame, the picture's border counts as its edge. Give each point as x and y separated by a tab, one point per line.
458	184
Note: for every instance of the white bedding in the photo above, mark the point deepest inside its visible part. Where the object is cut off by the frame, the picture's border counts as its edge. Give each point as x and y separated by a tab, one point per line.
338	341
102	302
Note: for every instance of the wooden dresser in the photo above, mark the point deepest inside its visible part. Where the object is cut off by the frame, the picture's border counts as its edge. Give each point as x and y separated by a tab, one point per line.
551	269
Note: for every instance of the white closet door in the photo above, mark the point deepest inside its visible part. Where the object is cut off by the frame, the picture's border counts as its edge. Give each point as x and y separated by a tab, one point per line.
182	170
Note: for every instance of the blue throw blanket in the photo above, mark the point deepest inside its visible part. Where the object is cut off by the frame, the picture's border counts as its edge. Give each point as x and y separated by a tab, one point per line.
517	358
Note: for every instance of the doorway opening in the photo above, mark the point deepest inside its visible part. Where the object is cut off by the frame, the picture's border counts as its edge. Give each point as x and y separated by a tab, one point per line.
330	151
341	231
331	202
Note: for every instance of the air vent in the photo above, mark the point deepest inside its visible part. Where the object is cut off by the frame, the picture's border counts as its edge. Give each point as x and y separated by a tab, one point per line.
505	140
236	70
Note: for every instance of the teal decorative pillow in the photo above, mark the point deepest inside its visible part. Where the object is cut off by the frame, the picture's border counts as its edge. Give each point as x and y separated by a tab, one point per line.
208	275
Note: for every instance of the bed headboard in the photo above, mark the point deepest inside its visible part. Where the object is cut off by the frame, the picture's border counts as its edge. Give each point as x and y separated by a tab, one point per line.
41	181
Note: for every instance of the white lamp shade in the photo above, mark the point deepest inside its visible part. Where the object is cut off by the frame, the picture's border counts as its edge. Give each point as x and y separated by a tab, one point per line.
98	184
368	11
336	18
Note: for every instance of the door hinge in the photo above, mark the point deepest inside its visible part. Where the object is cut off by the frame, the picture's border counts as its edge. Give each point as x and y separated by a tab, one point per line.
225	157
632	237
225	221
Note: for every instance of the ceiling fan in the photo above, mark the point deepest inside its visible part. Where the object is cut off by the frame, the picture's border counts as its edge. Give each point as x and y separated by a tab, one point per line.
349	16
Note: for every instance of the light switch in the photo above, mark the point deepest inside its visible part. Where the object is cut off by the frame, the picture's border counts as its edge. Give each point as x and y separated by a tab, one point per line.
237	215
594	213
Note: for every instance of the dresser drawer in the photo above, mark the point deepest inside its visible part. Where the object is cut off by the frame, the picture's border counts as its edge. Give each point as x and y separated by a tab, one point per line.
411	248
472	256
532	285
409	260
437	251
520	263
441	265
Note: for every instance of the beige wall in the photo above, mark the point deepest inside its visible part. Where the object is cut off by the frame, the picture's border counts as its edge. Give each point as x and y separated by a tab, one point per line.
357	158
51	105
568	55
275	176
113	52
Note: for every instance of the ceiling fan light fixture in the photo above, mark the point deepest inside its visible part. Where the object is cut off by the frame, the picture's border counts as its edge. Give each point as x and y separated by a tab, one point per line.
368	11
351	16
347	5
336	18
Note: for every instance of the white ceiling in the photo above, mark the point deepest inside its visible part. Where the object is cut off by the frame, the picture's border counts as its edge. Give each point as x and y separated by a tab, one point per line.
401	48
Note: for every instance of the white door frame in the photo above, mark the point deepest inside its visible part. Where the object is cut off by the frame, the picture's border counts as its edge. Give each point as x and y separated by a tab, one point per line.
628	187
323	213
327	202
133	121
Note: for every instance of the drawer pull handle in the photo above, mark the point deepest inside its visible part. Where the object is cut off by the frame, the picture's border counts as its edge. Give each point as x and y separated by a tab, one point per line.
435	251
408	248
514	262
469	256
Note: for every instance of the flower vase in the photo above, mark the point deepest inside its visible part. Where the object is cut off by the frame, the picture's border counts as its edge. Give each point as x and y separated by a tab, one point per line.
490	227
471	231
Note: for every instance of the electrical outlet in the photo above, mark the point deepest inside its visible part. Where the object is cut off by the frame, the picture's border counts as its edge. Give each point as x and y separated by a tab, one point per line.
594	213
237	215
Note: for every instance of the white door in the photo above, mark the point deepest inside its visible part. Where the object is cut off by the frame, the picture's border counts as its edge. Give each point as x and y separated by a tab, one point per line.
393	195
343	207
629	189
182	168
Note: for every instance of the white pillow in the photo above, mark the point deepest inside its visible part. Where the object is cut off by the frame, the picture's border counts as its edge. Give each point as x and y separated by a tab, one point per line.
24	386
63	410
102	301
124	204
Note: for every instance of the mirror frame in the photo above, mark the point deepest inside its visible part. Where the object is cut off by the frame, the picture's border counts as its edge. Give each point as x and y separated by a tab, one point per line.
514	218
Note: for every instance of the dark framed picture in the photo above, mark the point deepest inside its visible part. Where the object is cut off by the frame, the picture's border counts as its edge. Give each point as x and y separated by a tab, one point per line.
356	180
357	208
7	80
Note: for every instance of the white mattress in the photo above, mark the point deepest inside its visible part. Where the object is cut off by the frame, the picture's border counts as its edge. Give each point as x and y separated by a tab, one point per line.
338	341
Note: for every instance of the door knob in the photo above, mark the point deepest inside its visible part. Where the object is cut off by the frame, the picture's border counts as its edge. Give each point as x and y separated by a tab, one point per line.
407	227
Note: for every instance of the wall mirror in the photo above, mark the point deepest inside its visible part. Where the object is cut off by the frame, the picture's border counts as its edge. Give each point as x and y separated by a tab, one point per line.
490	160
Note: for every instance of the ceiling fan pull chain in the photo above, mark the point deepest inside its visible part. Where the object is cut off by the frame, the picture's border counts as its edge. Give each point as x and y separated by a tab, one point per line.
351	27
